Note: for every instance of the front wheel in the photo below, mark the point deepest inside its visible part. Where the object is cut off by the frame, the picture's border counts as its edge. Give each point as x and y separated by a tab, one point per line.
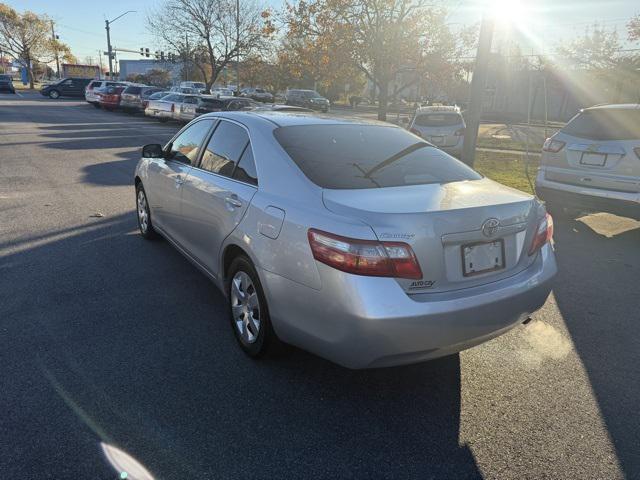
54	94
250	319
144	214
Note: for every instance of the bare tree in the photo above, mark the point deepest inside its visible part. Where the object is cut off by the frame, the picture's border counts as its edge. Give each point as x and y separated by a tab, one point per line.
26	38
204	32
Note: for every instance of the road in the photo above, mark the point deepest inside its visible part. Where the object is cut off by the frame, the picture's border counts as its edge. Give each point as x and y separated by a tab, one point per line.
111	342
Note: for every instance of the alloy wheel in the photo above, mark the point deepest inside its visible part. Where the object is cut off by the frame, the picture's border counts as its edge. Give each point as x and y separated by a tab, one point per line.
245	307
143	212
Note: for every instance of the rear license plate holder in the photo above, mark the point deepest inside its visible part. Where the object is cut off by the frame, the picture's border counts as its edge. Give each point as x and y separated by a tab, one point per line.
482	257
437	139
593	159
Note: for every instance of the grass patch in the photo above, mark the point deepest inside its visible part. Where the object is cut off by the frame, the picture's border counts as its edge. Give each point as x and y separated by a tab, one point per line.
507	168
504	143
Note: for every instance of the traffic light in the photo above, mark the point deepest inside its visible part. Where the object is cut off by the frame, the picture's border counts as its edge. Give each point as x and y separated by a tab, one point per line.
146	52
162	56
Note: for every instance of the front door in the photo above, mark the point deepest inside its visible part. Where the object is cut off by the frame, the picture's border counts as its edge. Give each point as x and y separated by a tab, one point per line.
217	193
167	176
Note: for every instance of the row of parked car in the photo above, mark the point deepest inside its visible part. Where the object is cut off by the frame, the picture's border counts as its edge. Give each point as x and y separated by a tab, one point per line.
165	105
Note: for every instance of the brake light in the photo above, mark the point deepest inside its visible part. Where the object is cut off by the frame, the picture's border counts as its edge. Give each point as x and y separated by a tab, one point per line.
553	146
544	234
637	150
460	132
416	132
364	257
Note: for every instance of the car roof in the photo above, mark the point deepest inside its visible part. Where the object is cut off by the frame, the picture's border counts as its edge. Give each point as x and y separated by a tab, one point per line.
288	119
615	106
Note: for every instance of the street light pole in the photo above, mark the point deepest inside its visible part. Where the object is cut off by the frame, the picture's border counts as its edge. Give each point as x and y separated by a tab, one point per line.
478	84
107	25
55	46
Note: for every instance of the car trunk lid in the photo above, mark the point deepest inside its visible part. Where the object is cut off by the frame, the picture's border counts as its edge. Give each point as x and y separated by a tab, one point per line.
449	226
609	165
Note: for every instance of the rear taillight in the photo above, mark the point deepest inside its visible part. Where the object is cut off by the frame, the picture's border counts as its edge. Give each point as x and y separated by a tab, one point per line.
364	257
460	132
544	234
553	146
416	132
637	150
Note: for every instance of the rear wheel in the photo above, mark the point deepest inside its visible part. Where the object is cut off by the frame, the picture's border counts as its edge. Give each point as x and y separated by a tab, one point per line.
54	94
97	105
248	310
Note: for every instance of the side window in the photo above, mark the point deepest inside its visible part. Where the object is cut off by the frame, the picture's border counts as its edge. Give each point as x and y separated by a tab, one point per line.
186	146
67	83
246	169
224	149
191	100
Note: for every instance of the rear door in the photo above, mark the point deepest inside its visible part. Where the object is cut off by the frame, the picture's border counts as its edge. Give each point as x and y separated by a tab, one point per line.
601	150
217	193
167	176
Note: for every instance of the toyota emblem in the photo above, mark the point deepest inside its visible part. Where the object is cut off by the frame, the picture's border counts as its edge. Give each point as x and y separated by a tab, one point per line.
490	227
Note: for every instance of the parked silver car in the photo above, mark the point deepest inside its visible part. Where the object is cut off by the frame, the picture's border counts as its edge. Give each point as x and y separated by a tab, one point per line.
174	106
443	126
351	239
593	163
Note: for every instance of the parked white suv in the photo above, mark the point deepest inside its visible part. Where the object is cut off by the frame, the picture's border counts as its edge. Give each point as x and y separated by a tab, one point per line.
198	87
441	126
593	163
91	92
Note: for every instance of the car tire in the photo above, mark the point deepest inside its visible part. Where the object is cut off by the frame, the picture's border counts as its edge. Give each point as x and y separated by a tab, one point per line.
144	214
96	105
54	94
248	310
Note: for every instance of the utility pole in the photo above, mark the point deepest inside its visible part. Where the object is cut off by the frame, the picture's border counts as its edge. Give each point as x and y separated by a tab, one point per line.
478	85
238	47
55	39
107	26
100	60
186	56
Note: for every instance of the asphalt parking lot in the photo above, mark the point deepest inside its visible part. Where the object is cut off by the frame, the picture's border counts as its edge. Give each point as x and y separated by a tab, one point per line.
111	342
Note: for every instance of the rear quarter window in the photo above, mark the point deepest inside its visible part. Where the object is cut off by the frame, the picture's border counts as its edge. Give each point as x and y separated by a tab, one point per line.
133	90
368	156
605	124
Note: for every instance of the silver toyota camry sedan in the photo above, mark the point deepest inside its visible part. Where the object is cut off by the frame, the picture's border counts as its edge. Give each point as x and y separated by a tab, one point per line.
355	240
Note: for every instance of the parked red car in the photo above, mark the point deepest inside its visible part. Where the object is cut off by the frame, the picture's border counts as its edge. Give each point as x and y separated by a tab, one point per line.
109	99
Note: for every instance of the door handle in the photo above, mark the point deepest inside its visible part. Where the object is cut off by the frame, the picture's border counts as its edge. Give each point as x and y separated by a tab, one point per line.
233	201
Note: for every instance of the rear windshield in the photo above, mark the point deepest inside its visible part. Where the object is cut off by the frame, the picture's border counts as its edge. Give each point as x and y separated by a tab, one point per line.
133	90
438	120
210	101
605	124
368	156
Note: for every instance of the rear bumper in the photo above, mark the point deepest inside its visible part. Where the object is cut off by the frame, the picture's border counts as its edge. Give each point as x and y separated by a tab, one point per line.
365	322
158	114
588	199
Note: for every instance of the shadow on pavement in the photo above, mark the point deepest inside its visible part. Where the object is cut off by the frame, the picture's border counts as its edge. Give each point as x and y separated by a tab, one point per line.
598	293
122	342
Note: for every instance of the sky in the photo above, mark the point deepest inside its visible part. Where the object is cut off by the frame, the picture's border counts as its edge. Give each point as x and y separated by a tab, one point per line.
80	23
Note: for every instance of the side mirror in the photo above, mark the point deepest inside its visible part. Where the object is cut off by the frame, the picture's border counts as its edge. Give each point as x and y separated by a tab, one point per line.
153	150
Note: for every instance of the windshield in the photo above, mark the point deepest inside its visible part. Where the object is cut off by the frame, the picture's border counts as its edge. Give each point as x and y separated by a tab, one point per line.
159	95
605	124
368	156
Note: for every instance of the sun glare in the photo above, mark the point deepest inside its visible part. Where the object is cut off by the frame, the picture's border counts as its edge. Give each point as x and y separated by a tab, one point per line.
508	11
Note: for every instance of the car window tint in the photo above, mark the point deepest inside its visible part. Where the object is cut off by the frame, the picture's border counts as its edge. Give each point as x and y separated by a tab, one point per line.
368	156
246	169
224	148
438	120
186	146
605	124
